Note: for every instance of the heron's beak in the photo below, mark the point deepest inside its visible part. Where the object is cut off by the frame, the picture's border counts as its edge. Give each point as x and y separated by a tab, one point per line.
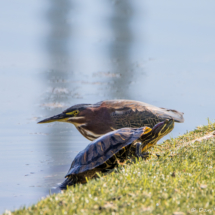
60	118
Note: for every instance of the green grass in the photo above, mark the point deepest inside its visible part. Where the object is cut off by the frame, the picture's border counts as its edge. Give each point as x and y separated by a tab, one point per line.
178	181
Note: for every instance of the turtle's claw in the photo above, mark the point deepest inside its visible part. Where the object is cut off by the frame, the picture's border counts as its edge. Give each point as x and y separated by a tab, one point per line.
145	155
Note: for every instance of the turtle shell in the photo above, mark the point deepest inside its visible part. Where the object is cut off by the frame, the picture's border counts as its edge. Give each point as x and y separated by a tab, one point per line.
103	148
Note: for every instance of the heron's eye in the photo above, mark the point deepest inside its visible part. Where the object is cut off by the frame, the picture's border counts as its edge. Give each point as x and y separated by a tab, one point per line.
74	113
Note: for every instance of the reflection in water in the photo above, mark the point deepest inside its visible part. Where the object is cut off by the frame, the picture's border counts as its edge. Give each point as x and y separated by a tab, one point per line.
58	38
59	71
120	48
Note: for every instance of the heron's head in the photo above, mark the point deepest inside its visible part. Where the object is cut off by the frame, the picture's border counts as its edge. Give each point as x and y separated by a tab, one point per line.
76	114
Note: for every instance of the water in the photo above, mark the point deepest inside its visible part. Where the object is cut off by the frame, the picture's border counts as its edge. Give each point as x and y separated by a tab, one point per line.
54	54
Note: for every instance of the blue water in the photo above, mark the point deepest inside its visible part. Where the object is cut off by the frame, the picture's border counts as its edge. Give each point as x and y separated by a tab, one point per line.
54	54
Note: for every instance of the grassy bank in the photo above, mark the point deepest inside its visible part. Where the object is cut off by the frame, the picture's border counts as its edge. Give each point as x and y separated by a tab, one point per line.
179	182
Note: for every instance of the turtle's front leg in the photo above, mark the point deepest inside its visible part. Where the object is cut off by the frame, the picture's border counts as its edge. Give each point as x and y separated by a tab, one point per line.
139	153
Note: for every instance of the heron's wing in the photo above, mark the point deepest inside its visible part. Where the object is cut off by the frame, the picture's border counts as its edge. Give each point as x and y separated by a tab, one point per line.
141	114
176	115
134	118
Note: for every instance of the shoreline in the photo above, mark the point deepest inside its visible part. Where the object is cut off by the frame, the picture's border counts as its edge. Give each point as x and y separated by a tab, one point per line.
180	181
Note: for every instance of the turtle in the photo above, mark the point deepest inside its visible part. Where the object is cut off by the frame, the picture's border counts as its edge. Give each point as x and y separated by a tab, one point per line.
103	154
95	120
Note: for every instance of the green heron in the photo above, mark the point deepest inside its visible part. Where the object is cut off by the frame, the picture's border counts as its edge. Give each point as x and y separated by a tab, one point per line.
95	120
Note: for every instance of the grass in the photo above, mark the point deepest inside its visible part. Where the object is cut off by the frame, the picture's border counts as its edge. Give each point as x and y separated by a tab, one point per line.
181	181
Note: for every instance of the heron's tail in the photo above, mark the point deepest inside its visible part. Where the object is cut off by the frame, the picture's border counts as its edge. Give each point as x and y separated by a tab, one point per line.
174	114
69	181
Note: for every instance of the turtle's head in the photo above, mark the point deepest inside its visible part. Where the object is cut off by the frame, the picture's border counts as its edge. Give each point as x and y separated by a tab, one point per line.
163	128
76	114
151	136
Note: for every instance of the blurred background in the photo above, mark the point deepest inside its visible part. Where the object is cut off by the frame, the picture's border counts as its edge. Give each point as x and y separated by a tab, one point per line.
57	53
